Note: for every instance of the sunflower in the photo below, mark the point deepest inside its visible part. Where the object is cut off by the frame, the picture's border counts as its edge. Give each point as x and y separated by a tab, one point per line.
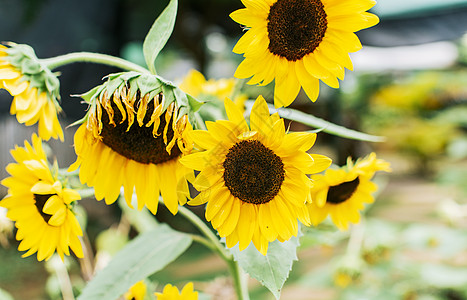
195	84
342	192
212	92
40	205
134	137
253	180
34	88
171	292
136	292
299	42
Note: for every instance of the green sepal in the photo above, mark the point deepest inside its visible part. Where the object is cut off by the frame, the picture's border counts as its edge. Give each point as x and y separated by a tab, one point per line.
25	60
195	105
159	34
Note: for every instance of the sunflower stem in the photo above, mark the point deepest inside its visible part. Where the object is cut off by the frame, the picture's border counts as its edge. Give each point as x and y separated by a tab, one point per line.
206	231
215	244
58	61
322	125
63	277
357	235
240	281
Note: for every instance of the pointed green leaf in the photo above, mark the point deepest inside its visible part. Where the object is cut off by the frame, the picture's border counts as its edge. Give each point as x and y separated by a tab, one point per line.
145	255
273	269
159	34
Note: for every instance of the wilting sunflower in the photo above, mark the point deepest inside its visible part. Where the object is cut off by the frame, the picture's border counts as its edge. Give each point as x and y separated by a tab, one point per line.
171	292
299	42
40	205
253	180
342	192
136	292
134	137
34	87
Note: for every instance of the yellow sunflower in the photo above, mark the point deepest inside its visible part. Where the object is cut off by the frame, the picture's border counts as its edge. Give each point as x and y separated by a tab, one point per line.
342	192
134	138
171	292
34	88
299	42
195	84
136	292
40	205
253	178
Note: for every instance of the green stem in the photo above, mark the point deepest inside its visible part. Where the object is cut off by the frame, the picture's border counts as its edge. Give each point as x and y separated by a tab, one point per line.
239	283
322	125
58	61
206	231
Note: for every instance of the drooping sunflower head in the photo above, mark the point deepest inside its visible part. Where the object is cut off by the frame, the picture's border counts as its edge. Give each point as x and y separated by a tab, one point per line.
171	292
135	131
34	87
40	205
253	177
341	193
299	42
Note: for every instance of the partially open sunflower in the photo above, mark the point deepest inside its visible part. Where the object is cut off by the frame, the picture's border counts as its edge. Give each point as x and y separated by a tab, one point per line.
253	178
40	205
299	42
134	137
342	193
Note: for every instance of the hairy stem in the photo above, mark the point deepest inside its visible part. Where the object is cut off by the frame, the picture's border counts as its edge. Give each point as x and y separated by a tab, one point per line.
90	57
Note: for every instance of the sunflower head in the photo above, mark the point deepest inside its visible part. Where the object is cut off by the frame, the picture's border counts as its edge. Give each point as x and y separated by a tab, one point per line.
34	87
171	292
135	116
341	192
40	204
253	177
299	42
133	135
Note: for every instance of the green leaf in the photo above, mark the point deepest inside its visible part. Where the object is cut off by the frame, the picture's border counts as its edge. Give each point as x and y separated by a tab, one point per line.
159	34
307	119
145	255
273	269
4	295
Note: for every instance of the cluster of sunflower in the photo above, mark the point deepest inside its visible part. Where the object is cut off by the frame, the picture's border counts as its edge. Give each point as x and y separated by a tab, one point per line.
137	140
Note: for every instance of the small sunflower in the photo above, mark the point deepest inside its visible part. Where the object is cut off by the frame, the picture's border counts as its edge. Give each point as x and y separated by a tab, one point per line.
134	137
40	205
253	180
299	42
171	292
342	192
34	87
136	292
212	92
195	84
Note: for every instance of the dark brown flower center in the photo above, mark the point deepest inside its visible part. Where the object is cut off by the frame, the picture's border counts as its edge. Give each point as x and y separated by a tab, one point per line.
296	27
252	172
138	143
40	202
342	192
